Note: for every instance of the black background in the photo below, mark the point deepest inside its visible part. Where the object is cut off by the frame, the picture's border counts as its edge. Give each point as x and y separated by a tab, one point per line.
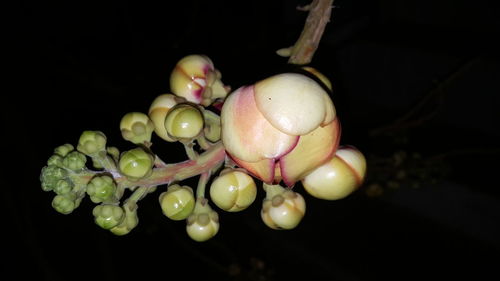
80	65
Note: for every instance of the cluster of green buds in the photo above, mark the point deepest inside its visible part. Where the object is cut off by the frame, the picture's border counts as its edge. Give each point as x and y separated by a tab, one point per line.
60	176
281	131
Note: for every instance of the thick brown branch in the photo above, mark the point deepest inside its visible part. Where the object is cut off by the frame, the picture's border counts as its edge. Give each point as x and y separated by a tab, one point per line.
305	47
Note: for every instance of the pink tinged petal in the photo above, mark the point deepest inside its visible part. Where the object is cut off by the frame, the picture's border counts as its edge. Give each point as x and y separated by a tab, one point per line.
246	134
188	79
293	103
183	85
263	169
313	150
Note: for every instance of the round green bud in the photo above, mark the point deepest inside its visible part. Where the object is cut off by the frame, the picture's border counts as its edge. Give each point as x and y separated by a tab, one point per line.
50	175
184	121
136	163
101	188
64	149
55	160
136	127
92	142
74	161
63	186
114	152
177	203
96	163
108	216
64	204
233	191
129	222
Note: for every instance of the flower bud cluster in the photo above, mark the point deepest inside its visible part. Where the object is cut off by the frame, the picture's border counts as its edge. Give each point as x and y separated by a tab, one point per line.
283	128
58	175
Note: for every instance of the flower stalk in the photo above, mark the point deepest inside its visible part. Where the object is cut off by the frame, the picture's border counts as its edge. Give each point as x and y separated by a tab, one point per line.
303	51
205	162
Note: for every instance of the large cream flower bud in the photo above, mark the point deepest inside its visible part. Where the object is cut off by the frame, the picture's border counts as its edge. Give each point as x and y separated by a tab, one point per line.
285	123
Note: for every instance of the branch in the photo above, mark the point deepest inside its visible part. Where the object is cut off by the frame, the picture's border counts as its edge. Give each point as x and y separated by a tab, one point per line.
180	171
305	47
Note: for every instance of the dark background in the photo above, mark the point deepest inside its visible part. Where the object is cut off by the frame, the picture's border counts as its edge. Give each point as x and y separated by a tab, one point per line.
80	65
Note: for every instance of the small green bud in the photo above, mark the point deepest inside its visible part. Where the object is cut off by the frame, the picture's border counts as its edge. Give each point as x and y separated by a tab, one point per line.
184	121
91	142
64	149
177	203
50	175
55	160
128	223
65	204
136	127
63	186
101	188
96	163
74	161
108	216
136	163
114	152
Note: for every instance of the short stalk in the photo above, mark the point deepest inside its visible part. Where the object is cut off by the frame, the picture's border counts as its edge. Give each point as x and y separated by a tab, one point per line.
202	183
203	142
106	162
138	194
190	152
273	190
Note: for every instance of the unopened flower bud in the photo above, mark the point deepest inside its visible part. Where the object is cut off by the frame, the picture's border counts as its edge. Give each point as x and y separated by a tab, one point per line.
129	222
233	191
65	204
136	163
101	188
282	208
50	175
64	149
184	121
91	142
177	203
339	177
108	216
63	186
74	161
136	127
203	223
